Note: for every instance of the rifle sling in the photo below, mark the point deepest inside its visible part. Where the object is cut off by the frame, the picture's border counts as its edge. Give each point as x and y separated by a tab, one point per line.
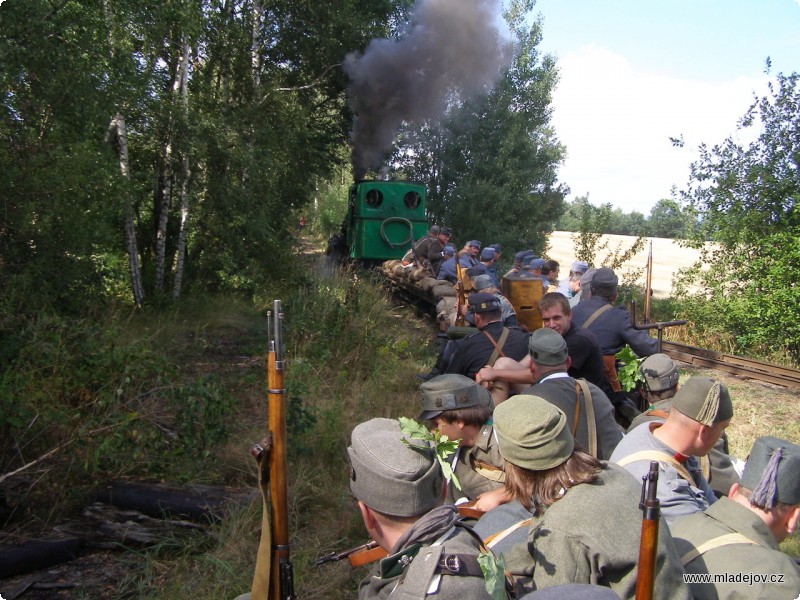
581	389
496	538
717	542
661	457
261	576
593	317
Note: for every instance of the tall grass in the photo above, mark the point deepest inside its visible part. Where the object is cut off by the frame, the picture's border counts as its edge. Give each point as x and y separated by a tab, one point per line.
351	355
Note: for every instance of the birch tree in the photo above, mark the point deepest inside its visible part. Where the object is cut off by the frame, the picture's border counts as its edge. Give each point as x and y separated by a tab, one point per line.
180	252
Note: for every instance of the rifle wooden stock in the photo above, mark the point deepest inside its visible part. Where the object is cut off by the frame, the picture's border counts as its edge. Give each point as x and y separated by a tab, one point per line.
461	295
370	552
648	545
281	585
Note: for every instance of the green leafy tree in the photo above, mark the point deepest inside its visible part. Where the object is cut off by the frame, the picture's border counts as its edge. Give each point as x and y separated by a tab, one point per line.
668	219
746	197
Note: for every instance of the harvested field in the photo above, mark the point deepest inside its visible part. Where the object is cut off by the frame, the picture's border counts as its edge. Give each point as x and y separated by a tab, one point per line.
668	257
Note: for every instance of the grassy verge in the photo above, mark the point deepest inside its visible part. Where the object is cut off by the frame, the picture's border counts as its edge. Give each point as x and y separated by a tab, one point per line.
350	357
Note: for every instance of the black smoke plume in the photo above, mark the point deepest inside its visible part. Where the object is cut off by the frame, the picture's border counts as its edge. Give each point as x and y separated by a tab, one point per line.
451	47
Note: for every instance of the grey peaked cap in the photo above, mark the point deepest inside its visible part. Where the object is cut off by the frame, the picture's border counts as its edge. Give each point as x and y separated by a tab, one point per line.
659	372
389	476
450	392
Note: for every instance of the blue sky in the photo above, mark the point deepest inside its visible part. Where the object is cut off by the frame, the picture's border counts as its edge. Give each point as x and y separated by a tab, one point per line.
635	72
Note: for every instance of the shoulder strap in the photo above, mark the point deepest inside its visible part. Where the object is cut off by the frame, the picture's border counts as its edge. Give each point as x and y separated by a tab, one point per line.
591	422
498	346
596	314
660	457
487	470
494	539
718	542
705	466
656	412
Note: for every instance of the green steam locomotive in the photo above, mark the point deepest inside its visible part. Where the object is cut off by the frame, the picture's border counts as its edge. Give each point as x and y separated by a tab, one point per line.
383	218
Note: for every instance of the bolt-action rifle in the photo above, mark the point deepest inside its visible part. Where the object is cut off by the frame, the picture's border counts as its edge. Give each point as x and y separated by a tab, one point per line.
648	285
367	553
274	576
648	545
461	294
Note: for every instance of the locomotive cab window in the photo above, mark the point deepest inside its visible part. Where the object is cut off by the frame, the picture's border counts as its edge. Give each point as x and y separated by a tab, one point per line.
374	198
412	200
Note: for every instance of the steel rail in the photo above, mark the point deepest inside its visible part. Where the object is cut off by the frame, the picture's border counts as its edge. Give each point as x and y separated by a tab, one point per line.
736	365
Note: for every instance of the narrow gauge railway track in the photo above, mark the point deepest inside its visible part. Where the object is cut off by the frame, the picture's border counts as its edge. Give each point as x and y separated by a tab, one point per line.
737	365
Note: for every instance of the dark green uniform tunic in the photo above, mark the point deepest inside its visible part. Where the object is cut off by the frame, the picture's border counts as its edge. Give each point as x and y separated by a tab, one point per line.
762	557
408	573
591	535
479	469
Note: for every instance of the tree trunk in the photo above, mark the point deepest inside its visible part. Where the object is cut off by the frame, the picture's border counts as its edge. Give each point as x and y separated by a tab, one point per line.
255	44
184	226
119	134
167	174
163	216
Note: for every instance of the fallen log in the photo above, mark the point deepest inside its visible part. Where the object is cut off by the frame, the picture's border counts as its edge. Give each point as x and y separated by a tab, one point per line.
37	554
108	527
194	502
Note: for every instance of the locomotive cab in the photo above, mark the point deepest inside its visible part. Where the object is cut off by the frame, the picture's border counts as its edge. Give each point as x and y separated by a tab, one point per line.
383	219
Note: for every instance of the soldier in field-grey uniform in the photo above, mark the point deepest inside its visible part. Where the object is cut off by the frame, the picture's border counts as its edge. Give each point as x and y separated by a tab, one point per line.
461	409
584	520
400	490
739	535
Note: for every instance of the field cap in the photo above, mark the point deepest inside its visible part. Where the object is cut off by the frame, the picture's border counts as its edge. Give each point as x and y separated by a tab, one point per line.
521	255
450	392
473	272
434	230
532	433
579	267
446	231
536	264
547	347
449	250
498	248
703	400
605	278
527	259
475	243
659	372
482	282
483	302
488	253
586	278
392	477
772	472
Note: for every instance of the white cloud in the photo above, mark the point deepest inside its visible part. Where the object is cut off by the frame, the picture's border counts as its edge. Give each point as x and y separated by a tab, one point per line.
616	121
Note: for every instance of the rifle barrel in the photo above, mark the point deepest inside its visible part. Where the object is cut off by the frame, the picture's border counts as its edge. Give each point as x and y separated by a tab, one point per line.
281	585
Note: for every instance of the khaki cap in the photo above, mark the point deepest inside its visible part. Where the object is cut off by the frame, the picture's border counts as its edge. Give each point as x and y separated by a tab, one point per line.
772	472
547	347
392	477
532	433
703	400
450	392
